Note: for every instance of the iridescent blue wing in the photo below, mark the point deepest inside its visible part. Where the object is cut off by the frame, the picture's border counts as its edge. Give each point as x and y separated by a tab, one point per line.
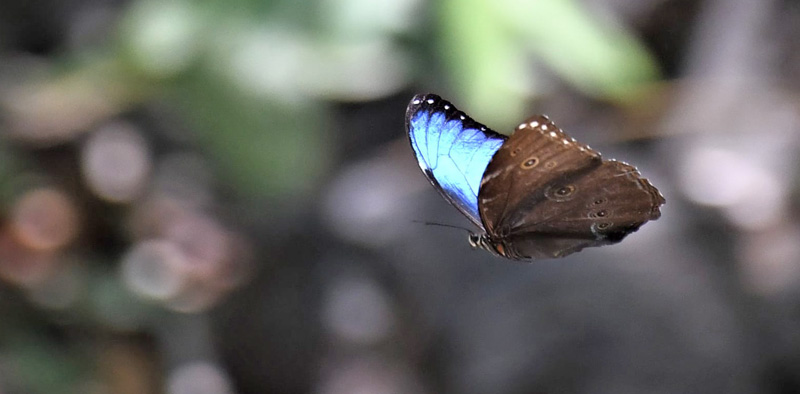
452	150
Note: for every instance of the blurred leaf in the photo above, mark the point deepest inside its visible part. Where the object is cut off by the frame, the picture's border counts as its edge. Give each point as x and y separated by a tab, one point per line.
43	366
485	65
163	38
602	59
357	71
486	46
359	20
265	147
114	306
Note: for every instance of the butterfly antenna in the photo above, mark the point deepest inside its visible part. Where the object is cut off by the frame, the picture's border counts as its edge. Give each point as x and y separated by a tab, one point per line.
443	225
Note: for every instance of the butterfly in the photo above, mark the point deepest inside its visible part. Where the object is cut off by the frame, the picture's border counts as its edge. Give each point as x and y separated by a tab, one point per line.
534	195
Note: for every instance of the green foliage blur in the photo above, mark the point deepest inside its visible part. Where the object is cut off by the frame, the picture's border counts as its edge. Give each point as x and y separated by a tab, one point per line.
261	71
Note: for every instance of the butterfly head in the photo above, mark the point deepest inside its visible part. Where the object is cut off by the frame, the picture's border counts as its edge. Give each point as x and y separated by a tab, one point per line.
485	242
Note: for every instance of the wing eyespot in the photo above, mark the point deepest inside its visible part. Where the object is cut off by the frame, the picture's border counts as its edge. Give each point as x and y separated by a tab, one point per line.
516	151
600	228
565	191
550	164
598	214
532	161
560	193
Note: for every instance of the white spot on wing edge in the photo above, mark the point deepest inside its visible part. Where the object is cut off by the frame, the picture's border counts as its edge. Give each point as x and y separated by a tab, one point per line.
416	101
535	123
430	101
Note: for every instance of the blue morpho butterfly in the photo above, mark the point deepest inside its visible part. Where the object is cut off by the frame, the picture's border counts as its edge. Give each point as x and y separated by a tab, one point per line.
536	194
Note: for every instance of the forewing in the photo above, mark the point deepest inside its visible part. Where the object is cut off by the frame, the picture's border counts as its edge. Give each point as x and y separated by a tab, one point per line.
452	149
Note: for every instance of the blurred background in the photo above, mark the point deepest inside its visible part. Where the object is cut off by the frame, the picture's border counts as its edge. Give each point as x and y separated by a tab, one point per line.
218	197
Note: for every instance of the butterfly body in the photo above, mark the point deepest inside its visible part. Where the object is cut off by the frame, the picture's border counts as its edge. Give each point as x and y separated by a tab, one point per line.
536	194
